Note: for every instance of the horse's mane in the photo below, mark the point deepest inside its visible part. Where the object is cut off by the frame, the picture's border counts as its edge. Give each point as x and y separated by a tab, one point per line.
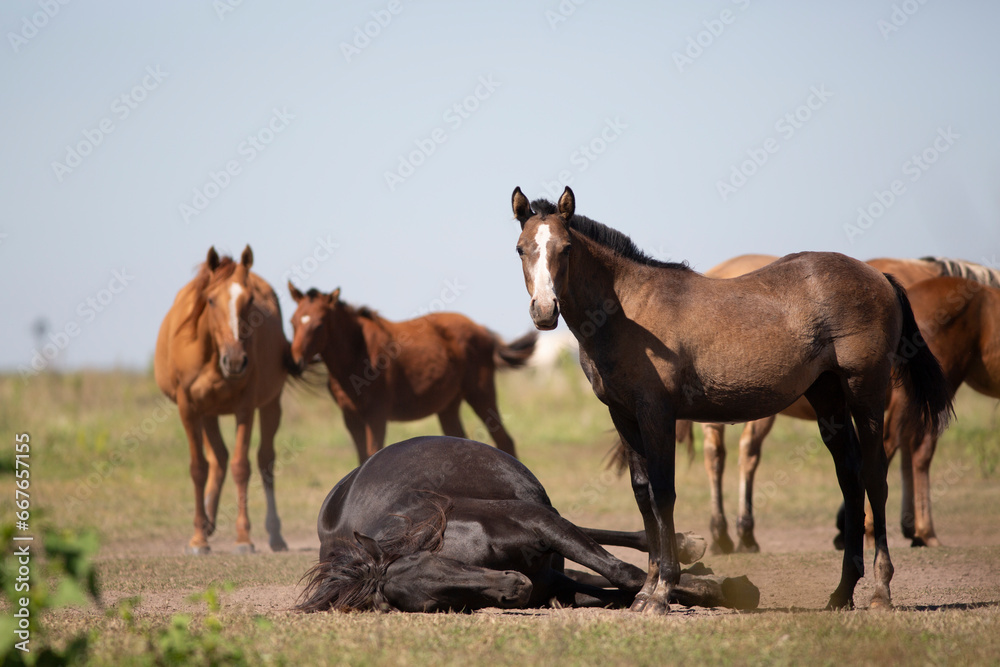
612	239
205	279
352	578
968	270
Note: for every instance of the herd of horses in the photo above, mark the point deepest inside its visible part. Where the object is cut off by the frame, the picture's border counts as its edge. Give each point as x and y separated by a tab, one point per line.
873	352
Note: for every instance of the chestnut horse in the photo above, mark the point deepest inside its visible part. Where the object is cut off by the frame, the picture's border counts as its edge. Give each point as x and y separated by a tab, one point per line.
221	350
959	321
819	324
384	371
908	272
439	524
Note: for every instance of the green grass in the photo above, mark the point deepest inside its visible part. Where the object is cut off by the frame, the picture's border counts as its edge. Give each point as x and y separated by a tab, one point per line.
86	471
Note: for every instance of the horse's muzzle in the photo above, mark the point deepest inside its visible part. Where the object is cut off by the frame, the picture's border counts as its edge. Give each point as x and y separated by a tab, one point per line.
545	317
234	365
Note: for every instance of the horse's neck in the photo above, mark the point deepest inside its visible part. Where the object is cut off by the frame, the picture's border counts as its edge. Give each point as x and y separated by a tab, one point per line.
347	347
596	276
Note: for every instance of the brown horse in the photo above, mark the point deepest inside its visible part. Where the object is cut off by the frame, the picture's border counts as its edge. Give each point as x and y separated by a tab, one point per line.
959	320
819	324
221	350
908	272
384	371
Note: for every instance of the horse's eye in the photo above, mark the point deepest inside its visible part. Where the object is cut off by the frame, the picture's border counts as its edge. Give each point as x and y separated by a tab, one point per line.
211	301
565	250
520	251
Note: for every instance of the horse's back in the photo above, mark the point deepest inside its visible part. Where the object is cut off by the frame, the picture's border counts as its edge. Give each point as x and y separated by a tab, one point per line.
737	266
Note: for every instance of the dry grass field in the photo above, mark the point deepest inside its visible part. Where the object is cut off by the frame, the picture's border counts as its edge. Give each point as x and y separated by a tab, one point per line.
108	453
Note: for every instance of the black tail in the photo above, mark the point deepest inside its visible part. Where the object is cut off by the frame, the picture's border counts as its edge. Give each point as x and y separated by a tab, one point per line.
514	354
928	399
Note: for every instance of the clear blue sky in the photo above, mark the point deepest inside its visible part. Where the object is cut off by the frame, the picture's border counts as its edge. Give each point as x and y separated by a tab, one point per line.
287	120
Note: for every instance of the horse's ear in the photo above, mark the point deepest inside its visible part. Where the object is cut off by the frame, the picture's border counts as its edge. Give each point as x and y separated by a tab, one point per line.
521	206
335	296
246	259
296	294
212	261
567	204
368	544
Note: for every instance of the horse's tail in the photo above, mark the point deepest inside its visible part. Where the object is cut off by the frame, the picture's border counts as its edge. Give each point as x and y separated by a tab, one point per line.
516	353
928	399
617	457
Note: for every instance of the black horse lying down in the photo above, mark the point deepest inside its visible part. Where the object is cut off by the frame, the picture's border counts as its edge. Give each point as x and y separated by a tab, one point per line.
440	523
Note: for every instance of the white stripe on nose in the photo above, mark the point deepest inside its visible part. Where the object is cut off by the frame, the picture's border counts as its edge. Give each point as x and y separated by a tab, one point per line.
234	321
544	287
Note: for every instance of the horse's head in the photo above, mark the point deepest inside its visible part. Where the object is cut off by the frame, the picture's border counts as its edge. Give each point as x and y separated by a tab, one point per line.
368	576
427	582
309	322
544	247
228	300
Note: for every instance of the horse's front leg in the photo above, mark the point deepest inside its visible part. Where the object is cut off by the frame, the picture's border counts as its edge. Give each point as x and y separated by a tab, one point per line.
629	432
270	418
657	431
240	465
193	428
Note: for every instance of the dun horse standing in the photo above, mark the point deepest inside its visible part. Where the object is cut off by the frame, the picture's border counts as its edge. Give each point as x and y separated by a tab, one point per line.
384	371
221	350
819	324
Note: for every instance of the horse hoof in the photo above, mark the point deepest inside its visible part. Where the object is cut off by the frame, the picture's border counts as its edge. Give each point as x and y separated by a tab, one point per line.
201	550
246	548
879	603
925	542
278	544
721	546
690	547
747	548
837	602
655	608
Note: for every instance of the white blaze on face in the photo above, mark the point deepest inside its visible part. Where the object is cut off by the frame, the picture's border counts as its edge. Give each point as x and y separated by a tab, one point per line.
305	319
234	321
545	290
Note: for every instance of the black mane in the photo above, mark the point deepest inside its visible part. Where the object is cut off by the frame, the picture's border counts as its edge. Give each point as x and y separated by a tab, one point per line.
352	578
612	239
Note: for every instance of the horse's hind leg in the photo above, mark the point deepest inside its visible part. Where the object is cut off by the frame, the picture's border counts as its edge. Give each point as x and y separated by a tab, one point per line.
751	442
923	524
834	418
874	466
270	418
550	532
715	465
218	459
482	396
451	424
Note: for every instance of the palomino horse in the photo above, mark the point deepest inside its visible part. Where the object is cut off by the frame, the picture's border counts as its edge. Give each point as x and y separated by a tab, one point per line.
439	523
402	371
221	351
819	324
908	272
